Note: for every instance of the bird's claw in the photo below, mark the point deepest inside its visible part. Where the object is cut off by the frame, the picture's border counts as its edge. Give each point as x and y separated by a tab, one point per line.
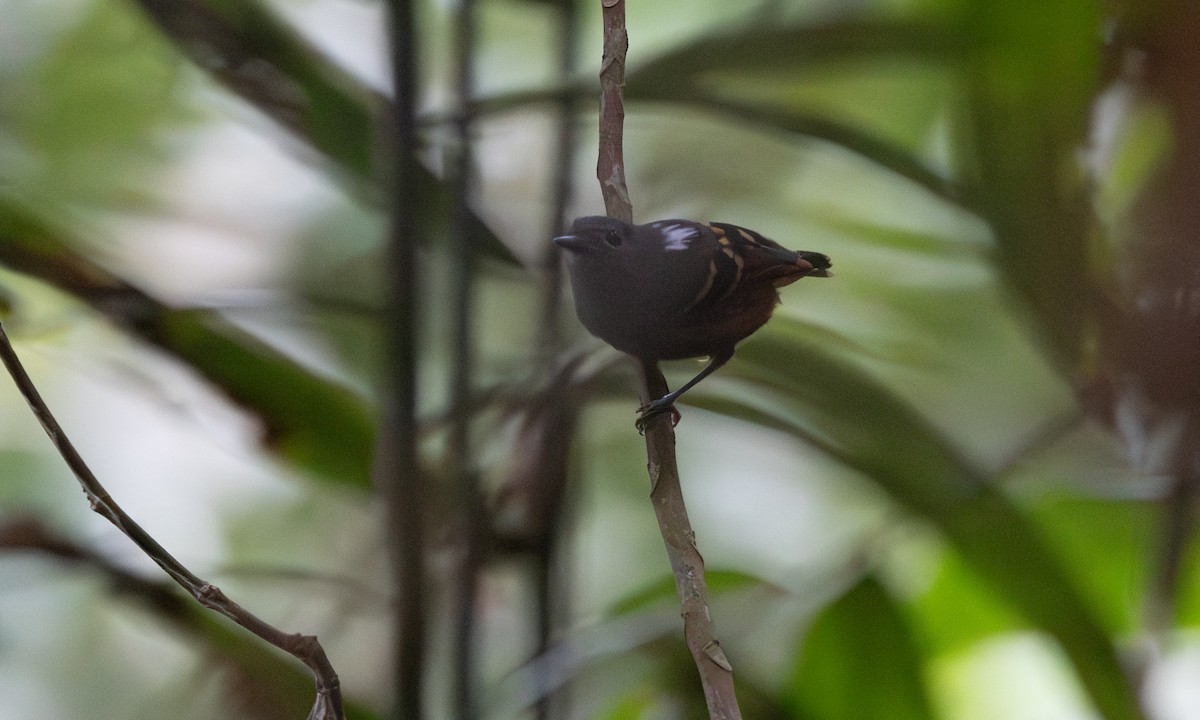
657	407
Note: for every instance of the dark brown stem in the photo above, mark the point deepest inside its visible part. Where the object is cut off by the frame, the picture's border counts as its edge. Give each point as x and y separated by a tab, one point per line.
305	648
1179	511
564	173
471	520
556	426
716	675
551	584
402	483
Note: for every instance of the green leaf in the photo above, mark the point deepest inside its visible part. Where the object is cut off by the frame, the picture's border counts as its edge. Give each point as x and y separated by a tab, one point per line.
959	610
1109	547
859	660
307	94
633	706
788	48
793	78
91	114
848	414
307	419
1034	73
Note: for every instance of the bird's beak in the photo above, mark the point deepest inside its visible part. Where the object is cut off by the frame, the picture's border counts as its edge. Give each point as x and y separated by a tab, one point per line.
574	243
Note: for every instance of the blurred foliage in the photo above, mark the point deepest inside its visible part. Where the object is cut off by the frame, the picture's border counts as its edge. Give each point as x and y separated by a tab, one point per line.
968	453
830	678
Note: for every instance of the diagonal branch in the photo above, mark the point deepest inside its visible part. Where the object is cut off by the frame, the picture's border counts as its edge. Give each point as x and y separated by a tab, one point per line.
303	647
261	682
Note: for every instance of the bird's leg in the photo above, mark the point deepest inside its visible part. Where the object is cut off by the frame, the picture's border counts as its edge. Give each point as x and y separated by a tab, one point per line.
667	402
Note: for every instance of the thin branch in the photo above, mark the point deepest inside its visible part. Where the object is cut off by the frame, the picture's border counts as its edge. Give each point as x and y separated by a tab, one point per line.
260	682
553	429
471	520
1178	528
564	173
610	165
303	647
716	674
403	485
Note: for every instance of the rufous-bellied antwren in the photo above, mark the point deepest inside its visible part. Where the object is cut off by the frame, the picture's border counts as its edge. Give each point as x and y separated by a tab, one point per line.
676	289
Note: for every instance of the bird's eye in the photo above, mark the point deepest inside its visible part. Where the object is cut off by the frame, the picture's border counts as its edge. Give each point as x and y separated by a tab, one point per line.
612	237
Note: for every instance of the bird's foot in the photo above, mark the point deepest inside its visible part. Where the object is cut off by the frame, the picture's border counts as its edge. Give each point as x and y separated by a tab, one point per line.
658	407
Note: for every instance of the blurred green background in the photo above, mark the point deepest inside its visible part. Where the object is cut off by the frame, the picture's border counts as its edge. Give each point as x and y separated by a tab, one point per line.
956	481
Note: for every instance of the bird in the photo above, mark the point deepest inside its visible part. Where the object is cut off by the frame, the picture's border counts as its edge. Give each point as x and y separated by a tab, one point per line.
678	289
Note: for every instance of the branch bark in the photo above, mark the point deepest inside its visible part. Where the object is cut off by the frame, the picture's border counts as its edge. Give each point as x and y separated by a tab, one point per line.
716	674
610	166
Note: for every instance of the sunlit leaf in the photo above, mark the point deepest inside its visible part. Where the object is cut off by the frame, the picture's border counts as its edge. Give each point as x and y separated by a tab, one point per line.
959	609
860	660
1109	547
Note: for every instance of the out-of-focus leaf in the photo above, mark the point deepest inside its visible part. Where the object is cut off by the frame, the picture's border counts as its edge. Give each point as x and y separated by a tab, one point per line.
790	48
886	154
851	416
695	73
633	706
303	91
306	419
859	660
1108	547
712	72
959	609
1187	603
87	115
1034	72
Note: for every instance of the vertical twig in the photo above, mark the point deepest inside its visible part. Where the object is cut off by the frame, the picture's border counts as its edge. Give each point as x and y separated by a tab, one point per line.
610	166
1178	517
564	172
462	474
403	486
716	675
551	587
303	647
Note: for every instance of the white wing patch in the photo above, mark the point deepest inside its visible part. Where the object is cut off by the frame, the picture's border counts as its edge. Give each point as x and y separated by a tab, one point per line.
677	237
